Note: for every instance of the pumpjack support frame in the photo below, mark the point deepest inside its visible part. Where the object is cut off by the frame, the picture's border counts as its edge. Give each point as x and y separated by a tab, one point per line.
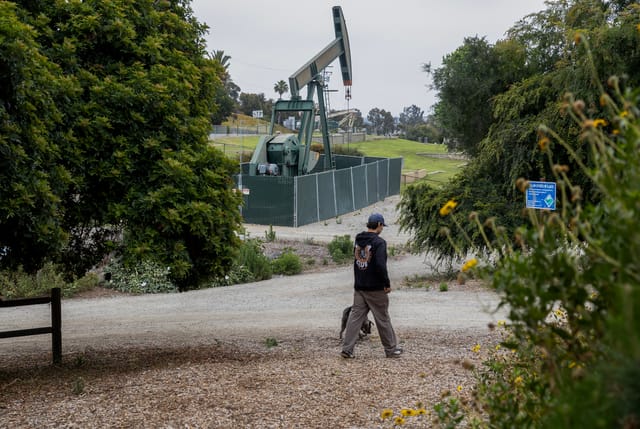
299	157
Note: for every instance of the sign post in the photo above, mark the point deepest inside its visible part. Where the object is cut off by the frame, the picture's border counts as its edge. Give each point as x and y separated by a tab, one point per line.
541	195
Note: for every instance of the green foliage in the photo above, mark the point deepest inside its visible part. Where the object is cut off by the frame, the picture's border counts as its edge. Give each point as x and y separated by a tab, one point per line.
115	101
507	150
270	235
237	274
572	285
444	287
78	386
349	150
253	259
467	82
32	171
20	284
271	342
146	277
341	249
288	264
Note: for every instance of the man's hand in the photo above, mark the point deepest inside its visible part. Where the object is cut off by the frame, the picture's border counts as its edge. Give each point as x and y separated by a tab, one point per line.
387	290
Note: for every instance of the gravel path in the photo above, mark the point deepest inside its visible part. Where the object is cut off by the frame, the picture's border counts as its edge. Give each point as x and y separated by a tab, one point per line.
276	308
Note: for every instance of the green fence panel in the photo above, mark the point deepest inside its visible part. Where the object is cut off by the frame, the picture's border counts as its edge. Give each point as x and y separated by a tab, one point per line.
306	200
268	200
383	179
344	191
372	183
297	201
326	196
395	175
346	161
359	180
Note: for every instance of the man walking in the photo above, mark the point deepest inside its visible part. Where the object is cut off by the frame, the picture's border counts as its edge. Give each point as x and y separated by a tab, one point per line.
372	286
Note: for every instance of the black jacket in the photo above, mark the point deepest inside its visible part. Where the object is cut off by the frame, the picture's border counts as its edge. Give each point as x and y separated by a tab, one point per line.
370	262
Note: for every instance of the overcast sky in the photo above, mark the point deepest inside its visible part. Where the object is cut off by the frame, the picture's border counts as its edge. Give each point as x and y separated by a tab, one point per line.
390	41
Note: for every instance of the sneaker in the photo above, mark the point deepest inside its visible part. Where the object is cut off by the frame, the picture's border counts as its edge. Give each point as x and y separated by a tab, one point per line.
347	355
396	353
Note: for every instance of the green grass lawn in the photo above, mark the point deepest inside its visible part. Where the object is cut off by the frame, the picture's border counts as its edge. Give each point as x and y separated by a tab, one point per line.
414	154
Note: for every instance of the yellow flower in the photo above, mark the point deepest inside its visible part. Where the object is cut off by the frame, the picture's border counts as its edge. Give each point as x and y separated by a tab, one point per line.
399	421
543	143
498	347
405	412
577	37
603	100
599	123
624	113
448	208
517	380
476	348
502	322
386	413
422	411
459	388
469	264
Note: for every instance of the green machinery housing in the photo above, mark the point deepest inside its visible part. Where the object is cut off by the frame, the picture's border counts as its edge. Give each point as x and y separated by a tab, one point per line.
272	193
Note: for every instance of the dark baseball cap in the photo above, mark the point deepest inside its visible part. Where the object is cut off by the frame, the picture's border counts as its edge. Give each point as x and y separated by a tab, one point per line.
376	218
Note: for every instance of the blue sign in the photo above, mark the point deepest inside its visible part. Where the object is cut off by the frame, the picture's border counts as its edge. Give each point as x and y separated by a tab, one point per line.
541	195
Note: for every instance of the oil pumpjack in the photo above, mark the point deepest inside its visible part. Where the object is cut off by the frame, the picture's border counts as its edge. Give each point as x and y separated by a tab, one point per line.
290	154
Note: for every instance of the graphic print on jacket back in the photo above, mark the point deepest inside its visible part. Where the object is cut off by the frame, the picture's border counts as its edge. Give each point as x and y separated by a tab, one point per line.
363	256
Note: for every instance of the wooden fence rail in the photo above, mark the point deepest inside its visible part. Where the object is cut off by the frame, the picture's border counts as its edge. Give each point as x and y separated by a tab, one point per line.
56	321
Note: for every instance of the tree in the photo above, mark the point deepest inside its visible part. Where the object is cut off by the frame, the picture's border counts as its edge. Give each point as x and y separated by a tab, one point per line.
411	116
467	83
412	123
382	122
132	137
227	97
250	102
486	187
281	87
32	174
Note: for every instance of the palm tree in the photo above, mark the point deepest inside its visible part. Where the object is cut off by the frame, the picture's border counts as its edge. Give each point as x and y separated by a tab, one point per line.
222	58
281	87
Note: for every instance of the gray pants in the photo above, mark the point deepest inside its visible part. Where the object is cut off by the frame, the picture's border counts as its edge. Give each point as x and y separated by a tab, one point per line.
378	303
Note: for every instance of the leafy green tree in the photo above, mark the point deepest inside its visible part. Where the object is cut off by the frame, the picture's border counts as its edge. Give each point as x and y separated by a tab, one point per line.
133	135
381	122
227	98
412	123
410	117
250	102
467	83
31	170
280	88
508	149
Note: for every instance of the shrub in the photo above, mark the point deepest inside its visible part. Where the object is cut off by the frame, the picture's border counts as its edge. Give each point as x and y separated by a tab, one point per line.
19	284
253	259
288	264
571	283
341	249
238	274
146	277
